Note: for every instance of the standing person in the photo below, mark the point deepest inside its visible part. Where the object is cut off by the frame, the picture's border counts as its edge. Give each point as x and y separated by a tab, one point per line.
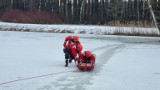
72	47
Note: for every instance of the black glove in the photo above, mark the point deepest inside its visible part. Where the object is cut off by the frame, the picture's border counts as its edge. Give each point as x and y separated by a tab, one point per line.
64	50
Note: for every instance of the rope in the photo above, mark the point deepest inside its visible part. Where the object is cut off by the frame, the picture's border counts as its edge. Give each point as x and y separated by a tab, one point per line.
28	78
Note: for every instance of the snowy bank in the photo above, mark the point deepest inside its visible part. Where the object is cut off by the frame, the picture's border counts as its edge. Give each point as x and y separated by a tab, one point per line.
85	29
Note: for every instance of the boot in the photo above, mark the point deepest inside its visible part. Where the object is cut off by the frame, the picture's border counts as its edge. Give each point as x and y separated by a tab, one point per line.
70	60
66	63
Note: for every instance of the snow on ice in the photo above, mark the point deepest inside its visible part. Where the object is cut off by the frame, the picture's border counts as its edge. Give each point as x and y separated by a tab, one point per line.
35	61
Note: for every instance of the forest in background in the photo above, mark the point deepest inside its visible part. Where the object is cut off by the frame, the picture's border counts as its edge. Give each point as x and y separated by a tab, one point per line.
101	12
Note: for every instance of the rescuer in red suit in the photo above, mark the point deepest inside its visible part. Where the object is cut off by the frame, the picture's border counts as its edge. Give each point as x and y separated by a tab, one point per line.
72	48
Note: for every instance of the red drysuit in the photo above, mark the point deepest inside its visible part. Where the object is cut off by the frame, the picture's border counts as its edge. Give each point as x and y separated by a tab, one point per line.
85	59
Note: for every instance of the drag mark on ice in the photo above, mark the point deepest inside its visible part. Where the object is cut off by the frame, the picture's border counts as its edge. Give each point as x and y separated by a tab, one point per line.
28	78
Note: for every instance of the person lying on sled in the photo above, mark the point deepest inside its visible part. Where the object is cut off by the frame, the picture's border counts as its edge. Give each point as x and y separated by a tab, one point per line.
71	45
86	57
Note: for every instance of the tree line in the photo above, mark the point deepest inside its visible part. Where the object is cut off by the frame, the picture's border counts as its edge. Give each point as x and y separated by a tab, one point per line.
110	12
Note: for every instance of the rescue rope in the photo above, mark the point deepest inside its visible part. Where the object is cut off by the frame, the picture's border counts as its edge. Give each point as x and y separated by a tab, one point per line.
28	78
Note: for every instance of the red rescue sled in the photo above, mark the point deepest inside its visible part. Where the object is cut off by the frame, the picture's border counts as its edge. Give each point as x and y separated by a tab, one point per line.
86	66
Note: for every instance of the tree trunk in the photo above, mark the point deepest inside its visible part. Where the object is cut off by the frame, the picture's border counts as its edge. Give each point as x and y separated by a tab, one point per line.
11	3
24	4
153	15
39	7
82	10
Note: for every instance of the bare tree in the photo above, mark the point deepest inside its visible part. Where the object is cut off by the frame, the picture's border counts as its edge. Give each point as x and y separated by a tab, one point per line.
153	15
90	11
11	3
82	10
39	6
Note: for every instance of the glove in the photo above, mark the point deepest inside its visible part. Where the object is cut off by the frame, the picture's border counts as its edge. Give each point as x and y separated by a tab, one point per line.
64	50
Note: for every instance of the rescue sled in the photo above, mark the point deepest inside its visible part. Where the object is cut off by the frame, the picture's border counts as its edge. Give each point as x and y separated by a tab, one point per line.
86	66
